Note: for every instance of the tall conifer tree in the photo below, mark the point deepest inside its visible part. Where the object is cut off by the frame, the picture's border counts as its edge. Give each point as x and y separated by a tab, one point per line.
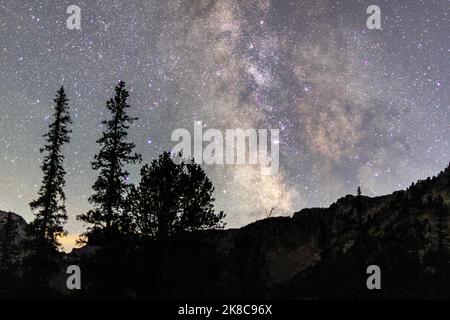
50	205
108	214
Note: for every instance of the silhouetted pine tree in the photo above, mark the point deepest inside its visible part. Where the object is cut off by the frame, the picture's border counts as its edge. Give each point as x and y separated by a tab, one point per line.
359	210
173	198
197	200
171	201
50	204
108	215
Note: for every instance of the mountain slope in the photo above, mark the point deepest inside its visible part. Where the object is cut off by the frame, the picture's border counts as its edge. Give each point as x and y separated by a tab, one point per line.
316	253
324	252
18	225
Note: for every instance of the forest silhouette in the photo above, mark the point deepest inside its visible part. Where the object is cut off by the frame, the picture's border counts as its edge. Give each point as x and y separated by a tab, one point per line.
162	238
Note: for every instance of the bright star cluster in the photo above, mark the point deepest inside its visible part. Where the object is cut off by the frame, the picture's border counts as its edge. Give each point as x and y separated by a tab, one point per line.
355	107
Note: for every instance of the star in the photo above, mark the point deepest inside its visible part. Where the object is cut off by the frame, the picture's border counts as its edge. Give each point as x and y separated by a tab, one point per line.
354	107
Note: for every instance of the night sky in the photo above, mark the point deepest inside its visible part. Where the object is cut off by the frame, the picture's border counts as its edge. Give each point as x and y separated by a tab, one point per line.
354	106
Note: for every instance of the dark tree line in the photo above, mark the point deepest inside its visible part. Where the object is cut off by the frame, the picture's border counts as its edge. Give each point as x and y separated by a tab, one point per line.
173	198
147	245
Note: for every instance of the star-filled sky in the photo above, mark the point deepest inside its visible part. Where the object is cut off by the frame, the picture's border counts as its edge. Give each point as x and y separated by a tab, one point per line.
354	106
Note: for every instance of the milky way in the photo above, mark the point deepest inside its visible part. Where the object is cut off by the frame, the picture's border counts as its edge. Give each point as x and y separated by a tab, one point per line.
354	106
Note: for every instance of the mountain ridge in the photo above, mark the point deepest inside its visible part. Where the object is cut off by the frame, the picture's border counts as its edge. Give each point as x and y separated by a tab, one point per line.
315	253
